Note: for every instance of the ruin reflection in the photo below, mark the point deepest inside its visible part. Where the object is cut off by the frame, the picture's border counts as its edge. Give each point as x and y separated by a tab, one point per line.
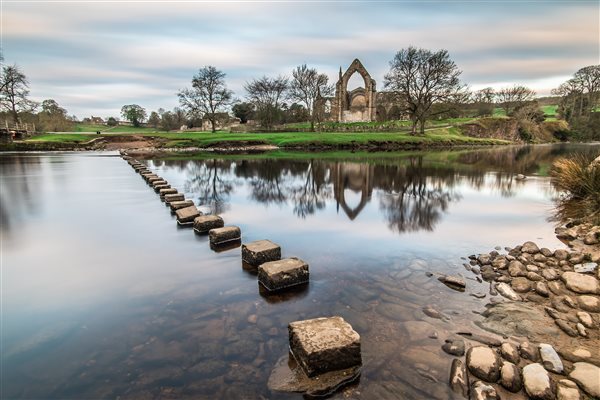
413	190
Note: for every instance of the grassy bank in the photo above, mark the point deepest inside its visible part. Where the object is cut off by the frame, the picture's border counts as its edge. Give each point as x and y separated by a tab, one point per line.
439	137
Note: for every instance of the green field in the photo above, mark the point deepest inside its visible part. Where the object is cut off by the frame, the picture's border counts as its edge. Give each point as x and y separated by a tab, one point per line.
112	129
440	137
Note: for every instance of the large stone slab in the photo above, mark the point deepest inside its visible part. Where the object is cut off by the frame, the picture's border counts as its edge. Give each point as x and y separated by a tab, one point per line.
187	215
219	236
260	252
176	205
205	223
324	344
281	274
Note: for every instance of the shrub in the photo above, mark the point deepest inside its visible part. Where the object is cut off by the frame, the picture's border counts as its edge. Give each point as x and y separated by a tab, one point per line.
579	182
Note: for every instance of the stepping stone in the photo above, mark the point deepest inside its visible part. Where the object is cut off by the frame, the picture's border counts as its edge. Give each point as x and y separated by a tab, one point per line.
185	216
164	192
176	205
324	344
145	172
159	182
148	177
281	274
205	223
226	234
260	252
170	197
162	186
155	179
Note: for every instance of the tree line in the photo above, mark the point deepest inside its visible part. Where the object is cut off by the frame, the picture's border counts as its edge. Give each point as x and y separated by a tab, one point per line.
422	83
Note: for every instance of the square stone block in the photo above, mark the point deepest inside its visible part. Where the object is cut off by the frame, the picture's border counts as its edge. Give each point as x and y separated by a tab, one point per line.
324	344
205	223
226	234
176	205
158	182
153	179
170	197
164	192
260	252
280	274
145	172
157	188
148	177
186	215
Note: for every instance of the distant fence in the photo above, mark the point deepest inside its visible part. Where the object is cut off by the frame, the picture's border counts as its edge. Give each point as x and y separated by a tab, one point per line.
10	132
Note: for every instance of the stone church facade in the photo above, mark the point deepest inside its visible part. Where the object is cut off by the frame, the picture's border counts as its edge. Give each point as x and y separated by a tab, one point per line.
363	104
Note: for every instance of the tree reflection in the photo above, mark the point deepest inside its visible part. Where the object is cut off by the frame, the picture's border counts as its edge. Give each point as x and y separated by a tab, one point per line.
211	181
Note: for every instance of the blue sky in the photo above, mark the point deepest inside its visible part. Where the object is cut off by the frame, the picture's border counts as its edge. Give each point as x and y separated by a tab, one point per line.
95	56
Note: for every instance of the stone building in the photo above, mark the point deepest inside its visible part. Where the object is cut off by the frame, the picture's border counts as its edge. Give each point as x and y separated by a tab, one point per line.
363	104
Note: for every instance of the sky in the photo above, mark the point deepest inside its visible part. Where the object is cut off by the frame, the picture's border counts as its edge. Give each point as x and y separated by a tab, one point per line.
93	57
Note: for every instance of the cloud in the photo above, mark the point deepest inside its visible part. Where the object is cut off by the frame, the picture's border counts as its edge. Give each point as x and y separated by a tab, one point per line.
100	54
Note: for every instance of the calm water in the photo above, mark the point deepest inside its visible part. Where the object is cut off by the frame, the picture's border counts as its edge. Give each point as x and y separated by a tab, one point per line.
103	296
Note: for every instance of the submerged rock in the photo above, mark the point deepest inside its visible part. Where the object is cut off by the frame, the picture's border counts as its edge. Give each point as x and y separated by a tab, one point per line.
453	282
455	347
483	391
459	380
287	376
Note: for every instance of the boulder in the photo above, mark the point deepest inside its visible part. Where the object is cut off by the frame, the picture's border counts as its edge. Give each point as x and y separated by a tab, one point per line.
580	283
587	377
510	377
521	285
561	254
530	248
205	223
459	380
281	274
550	358
484	363
516	268
324	344
541	289
537	382
484	259
260	251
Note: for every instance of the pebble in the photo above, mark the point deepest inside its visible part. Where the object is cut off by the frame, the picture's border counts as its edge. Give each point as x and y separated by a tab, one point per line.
566	328
530	247
521	285
532	276
541	289
586	319
581	329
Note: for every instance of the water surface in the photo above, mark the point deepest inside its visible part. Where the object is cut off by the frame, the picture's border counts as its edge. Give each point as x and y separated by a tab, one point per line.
103	296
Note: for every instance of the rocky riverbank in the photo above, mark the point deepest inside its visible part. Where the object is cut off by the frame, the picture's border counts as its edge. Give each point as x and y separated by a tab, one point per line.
546	306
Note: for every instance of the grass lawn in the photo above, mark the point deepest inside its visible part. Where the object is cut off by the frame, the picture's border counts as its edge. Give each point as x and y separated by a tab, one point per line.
62	138
441	136
112	129
550	111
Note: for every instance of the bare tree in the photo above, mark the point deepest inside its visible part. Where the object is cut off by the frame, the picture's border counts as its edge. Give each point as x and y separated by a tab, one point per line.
14	92
514	97
307	86
422	78
208	96
267	94
484	100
